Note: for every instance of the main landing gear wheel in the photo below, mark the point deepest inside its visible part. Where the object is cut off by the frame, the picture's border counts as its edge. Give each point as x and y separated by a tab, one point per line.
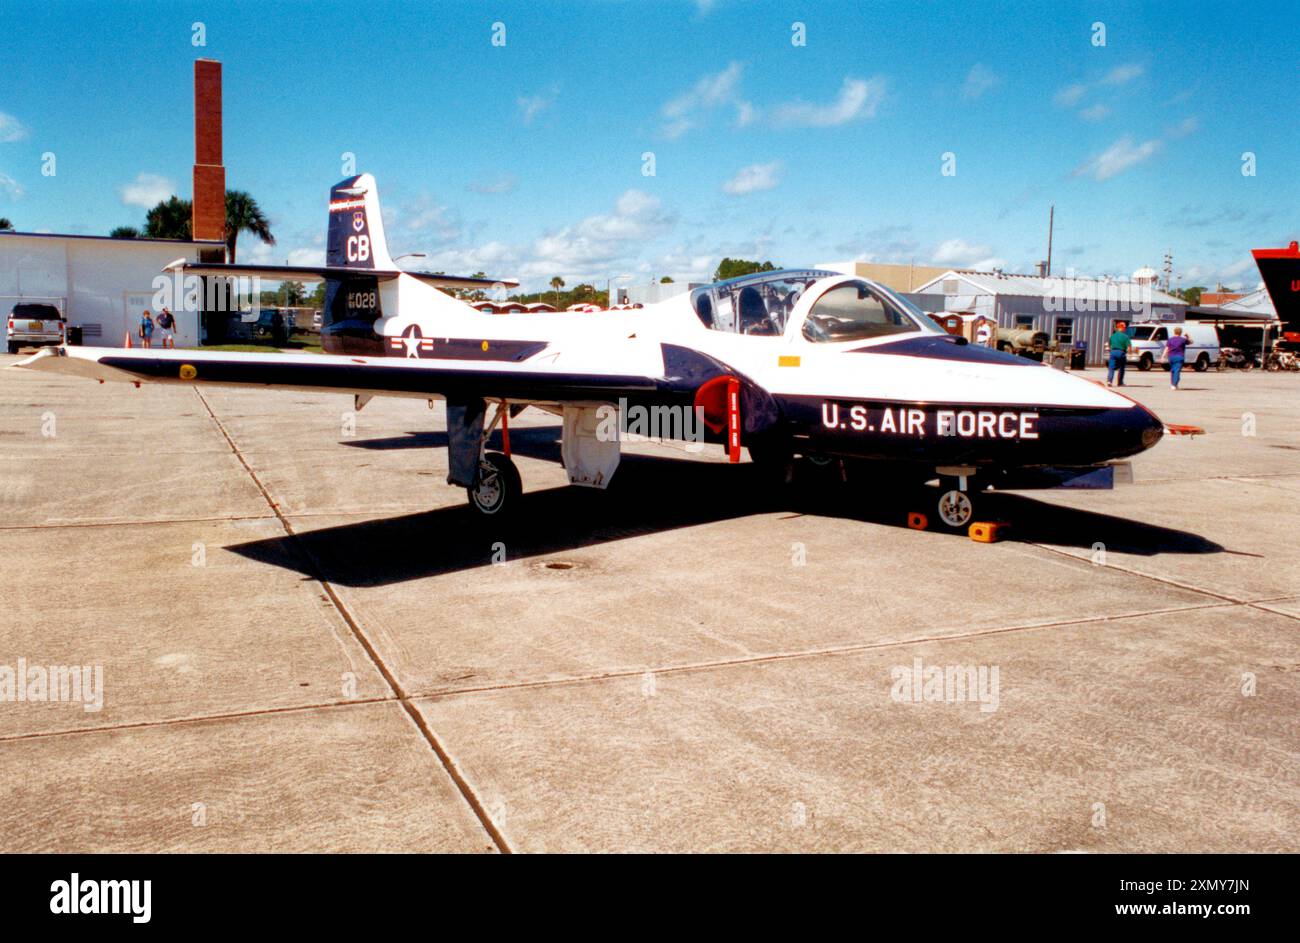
498	487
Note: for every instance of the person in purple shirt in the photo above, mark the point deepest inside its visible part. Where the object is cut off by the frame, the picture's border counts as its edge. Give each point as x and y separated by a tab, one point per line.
1176	353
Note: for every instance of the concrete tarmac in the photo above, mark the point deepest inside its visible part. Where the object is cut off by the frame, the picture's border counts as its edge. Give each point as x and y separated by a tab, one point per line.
307	642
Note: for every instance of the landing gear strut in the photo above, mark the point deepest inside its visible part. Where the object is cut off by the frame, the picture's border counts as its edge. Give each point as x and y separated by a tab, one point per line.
497	487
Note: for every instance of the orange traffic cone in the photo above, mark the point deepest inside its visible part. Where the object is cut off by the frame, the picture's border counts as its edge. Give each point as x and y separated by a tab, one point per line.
127	337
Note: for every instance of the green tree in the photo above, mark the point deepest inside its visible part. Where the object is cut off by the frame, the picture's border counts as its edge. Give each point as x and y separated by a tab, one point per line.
1191	295
244	215
292	294
734	268
5	225
170	219
557	283
124	232
666	280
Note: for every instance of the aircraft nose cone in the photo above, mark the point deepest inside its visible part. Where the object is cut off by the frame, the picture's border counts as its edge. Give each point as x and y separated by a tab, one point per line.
1152	429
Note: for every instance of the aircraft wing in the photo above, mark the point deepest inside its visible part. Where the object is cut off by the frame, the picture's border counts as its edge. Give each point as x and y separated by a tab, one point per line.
318	272
343	373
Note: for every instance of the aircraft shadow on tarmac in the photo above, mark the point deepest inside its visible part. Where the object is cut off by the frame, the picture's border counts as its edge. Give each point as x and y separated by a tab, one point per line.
650	494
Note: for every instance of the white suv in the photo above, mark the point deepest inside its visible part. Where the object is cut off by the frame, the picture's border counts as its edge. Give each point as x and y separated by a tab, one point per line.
32	324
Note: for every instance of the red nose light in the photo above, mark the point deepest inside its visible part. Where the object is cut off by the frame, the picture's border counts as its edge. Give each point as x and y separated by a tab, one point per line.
1184	430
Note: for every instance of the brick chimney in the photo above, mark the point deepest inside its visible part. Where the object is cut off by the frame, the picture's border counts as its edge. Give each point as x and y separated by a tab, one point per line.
209	212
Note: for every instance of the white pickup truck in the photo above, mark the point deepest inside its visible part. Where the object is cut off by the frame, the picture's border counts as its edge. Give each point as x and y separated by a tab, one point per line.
33	324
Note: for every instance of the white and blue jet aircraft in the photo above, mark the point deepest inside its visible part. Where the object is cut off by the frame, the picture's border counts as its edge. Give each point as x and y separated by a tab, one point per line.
795	364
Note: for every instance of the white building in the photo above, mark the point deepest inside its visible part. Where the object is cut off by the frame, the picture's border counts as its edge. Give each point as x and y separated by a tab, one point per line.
100	284
1257	302
1067	308
649	293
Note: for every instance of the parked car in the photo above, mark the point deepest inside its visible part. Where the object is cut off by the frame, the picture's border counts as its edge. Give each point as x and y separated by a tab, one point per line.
1149	343
34	324
272	324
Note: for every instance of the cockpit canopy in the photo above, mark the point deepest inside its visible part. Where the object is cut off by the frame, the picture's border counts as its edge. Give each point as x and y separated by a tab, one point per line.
848	309
754	304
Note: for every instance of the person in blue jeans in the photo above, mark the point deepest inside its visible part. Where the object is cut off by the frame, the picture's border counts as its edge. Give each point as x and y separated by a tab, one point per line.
1176	354
1118	360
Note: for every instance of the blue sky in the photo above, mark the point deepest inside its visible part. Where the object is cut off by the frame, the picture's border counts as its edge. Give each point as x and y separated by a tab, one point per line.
526	159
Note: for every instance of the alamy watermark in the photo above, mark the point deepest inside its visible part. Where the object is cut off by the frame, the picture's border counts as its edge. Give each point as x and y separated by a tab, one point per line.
180	292
83	684
626	423
946	684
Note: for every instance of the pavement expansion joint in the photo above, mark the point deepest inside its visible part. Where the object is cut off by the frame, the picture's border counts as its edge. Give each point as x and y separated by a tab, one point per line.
390	678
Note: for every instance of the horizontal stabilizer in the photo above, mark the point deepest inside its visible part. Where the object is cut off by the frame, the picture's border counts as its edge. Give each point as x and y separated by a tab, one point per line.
320	272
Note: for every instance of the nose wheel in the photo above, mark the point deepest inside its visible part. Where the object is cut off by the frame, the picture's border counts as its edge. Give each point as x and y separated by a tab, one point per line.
956	509
497	487
959	498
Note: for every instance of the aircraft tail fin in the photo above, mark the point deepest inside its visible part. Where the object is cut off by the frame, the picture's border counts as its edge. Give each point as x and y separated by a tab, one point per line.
1280	270
356	228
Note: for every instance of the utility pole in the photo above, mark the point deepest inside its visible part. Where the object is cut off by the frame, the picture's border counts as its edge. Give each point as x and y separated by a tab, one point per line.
1051	224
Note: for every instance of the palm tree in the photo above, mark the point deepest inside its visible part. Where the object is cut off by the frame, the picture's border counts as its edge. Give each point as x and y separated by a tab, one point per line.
244	215
5	225
557	283
170	219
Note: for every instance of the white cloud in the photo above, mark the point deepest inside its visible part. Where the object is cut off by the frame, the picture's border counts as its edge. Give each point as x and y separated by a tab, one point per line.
1071	95
11	129
1183	128
1094	112
530	106
146	191
1117	158
979	80
426	218
306	257
1121	75
10	187
858	98
716	90
586	250
958	253
503	184
254	251
754	179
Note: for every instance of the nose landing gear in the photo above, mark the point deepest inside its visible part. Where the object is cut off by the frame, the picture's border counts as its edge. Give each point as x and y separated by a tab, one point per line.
956	510
958	501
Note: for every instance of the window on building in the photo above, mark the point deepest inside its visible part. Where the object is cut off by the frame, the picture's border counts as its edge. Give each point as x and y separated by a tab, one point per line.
1064	332
950	286
1024	320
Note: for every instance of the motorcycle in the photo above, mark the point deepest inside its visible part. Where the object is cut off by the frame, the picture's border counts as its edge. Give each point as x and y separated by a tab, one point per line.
1282	360
1236	358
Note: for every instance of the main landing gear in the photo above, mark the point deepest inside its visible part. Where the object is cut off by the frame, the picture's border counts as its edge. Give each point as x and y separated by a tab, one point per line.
497	487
